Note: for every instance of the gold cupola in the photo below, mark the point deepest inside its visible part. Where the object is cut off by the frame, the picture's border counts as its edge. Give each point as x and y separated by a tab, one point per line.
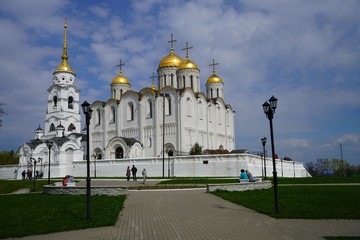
64	66
187	63
214	78
120	79
171	60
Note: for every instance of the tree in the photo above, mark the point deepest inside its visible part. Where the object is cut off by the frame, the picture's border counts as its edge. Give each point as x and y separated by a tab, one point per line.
196	150
8	157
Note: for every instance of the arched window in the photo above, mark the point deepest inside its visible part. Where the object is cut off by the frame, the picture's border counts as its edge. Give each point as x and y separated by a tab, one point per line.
119	153
70	102
112	117
188	107
217	92
98	117
211	93
164	79
201	110
183	81
130	112
55	100
52	127
149	109
191	81
172	80
71	127
168	106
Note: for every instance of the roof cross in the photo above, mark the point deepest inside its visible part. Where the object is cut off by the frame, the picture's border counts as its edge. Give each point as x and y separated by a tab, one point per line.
153	76
120	65
213	65
187	49
172	41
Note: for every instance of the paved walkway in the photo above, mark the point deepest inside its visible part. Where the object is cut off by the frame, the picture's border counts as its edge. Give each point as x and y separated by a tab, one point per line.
195	214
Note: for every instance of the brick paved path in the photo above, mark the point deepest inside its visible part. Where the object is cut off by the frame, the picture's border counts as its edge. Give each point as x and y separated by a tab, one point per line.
194	214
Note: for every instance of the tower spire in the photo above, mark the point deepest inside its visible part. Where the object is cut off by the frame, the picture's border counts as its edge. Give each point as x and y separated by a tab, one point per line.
65	57
64	66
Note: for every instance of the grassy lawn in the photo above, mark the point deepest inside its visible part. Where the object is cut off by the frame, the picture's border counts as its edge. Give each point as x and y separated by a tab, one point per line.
31	214
302	202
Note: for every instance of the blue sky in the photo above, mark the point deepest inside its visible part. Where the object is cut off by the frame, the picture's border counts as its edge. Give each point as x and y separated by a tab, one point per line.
305	53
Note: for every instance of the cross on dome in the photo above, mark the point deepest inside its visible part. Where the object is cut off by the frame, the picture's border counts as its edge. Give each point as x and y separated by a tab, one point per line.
120	65
172	41
187	49
213	65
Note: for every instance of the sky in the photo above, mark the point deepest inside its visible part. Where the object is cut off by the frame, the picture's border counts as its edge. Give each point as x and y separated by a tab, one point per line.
305	53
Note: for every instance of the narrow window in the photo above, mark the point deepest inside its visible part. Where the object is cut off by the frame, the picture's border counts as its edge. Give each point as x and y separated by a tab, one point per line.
191	81
52	127
217	92
55	100
98	117
112	114
130	112
149	114
172	79
70	102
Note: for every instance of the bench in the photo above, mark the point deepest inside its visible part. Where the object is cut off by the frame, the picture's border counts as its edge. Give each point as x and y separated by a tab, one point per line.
69	184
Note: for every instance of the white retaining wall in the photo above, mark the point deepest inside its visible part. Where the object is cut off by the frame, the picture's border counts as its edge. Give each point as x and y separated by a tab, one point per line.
222	165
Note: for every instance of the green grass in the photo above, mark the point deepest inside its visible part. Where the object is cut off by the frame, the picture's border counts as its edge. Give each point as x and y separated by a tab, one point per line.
297	202
208	180
9	186
31	214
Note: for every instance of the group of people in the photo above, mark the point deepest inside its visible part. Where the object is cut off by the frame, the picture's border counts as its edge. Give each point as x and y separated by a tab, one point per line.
246	174
28	175
133	171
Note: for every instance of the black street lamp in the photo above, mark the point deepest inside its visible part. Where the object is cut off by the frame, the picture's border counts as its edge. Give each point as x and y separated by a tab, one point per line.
40	161
50	144
263	141
170	154
87	111
269	110
34	162
94	156
164	95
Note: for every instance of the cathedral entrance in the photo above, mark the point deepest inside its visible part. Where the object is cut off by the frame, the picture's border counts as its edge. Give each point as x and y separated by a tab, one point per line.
119	153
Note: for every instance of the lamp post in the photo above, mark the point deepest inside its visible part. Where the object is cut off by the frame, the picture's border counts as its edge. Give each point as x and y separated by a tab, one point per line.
170	154
49	144
269	110
263	141
34	162
40	161
164	95
94	156
87	112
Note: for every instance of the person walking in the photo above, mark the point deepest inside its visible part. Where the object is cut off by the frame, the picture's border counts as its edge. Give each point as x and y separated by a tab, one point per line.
144	174
134	171
128	173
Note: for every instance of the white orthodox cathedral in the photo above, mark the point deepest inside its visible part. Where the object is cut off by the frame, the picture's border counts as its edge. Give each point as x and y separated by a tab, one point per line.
137	126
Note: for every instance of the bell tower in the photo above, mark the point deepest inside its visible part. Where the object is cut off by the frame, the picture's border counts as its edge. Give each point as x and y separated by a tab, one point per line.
63	100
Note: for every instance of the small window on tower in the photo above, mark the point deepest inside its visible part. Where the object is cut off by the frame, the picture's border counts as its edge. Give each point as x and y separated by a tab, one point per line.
70	102
55	101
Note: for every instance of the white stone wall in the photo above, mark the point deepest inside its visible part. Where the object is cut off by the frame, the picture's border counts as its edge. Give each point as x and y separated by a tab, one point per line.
226	165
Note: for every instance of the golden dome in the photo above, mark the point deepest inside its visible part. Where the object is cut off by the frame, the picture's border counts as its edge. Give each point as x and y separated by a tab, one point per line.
171	60
187	64
120	79
153	87
214	79
64	67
